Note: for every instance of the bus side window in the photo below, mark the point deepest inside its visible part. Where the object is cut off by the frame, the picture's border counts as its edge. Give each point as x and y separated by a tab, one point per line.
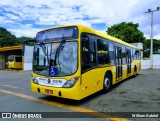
134	55
85	50
123	55
102	50
18	59
92	52
111	53
137	54
88	52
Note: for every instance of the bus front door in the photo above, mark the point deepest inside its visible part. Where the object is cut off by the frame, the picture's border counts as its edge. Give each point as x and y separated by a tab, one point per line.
118	53
128	58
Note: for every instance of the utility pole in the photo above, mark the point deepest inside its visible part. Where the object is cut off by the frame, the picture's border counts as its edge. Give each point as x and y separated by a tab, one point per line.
151	48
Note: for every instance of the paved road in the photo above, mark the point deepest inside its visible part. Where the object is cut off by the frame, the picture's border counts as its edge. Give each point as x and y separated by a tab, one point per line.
139	94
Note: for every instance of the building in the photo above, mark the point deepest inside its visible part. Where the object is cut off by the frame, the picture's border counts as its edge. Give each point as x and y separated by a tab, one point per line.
5	53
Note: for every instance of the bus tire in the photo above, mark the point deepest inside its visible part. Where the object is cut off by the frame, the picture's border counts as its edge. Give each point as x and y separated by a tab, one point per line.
107	83
135	71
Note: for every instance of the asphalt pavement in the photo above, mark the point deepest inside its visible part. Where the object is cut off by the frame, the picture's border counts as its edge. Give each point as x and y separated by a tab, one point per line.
136	94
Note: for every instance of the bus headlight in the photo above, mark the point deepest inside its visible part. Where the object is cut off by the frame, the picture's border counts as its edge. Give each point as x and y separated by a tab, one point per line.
35	80
71	82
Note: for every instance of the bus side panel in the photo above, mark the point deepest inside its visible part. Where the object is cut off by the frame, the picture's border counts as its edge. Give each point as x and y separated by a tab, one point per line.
136	63
124	71
11	64
92	81
15	64
18	64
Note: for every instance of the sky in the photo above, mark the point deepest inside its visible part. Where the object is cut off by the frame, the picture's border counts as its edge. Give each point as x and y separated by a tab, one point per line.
27	17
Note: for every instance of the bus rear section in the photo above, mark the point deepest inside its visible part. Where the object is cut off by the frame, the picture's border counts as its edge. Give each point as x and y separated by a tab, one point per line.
15	62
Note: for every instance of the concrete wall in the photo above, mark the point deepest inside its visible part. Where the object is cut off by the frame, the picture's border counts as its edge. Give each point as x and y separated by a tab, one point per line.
27	66
156	62
145	64
28	56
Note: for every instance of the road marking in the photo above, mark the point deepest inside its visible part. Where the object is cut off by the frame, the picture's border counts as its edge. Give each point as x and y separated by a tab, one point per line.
73	108
10	86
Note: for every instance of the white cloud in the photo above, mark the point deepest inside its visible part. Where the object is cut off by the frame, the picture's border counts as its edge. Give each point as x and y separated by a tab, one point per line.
11	16
4	20
157	36
28	32
85	12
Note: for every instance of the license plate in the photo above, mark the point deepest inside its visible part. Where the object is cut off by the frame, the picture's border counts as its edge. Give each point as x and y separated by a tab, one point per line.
48	91
57	81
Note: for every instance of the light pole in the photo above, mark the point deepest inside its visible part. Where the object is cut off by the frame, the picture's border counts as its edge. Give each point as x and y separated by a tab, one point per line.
151	49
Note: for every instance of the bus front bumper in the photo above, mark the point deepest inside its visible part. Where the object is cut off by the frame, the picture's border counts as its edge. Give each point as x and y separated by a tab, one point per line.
70	93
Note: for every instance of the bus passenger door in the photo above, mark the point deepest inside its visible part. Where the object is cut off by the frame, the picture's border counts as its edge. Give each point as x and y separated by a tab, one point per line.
118	58
128	58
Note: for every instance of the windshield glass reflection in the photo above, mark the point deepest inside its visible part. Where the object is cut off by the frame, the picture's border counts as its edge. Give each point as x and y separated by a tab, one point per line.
46	62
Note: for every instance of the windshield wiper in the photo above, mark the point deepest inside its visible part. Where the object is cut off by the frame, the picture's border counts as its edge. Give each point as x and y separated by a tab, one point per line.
59	51
42	45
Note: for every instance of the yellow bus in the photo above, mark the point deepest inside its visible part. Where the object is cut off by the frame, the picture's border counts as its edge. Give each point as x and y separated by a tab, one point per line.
75	61
15	61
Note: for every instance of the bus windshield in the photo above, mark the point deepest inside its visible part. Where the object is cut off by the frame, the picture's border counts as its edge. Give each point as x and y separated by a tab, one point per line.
47	62
57	33
11	58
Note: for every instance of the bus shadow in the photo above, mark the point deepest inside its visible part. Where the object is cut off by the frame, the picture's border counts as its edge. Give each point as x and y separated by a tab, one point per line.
85	100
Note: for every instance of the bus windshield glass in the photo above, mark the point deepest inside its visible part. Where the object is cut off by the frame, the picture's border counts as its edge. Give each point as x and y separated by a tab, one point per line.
57	33
47	61
11	58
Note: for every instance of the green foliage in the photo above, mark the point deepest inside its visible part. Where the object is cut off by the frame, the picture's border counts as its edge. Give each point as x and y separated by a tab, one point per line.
127	32
8	39
147	44
130	33
156	46
21	39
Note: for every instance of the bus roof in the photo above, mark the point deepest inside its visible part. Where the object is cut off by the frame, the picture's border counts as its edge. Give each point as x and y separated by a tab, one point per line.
92	31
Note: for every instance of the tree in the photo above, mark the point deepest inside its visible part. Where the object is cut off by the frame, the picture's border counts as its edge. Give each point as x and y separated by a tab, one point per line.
6	38
147	44
21	39
146	48
156	46
127	32
130	33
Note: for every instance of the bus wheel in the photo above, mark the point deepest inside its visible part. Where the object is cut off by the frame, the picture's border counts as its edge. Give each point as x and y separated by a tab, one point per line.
135	71
107	83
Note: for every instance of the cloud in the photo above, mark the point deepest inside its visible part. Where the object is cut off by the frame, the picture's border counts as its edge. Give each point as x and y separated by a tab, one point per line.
98	14
24	30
